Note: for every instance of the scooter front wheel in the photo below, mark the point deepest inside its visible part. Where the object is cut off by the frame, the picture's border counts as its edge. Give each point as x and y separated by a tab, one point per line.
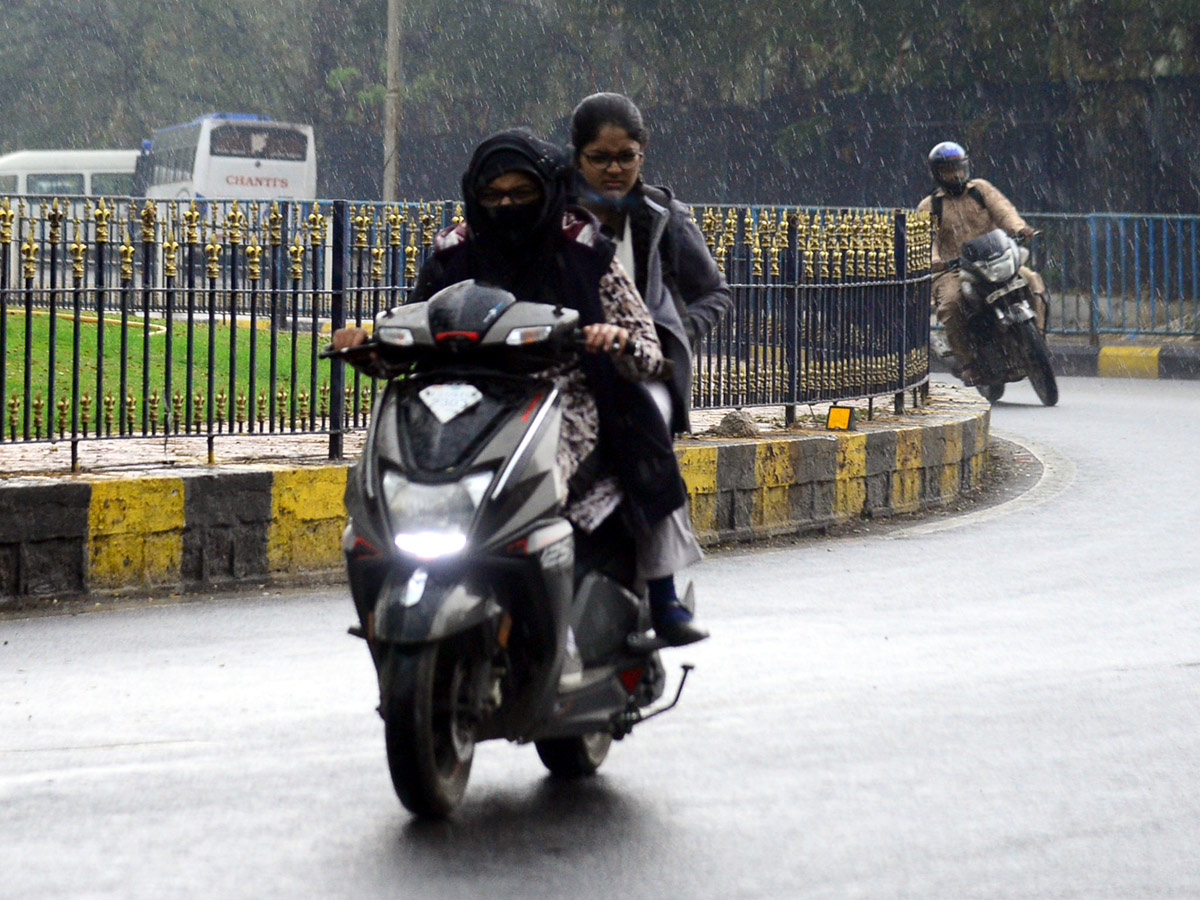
429	704
574	757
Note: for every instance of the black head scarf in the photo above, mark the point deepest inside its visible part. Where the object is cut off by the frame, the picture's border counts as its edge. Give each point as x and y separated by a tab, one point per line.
516	232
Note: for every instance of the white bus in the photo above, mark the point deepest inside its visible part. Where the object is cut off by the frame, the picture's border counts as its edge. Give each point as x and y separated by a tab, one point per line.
232	155
60	173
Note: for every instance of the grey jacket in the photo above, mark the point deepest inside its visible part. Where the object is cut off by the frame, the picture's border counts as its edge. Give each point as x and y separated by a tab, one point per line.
681	284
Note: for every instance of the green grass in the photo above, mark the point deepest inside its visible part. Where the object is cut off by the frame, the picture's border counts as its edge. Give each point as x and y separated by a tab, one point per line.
222	362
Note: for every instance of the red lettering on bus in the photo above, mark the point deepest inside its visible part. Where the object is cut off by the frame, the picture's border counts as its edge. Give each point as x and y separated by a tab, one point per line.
256	181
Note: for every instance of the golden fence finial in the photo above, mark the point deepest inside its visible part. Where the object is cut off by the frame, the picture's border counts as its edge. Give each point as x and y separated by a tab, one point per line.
170	250
102	214
316	226
458	214
296	251
29	253
126	250
427	223
708	227
887	239
362	224
410	256
78	251
149	222
55	217
191	219
254	253
824	244
275	225
858	239
395	223
235	220
377	254
6	220
212	250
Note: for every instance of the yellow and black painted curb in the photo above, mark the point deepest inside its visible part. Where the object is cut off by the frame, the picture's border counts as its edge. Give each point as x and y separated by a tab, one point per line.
207	527
1168	361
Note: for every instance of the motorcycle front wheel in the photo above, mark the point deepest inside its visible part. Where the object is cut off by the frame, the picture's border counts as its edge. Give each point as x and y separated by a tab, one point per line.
1037	364
574	757
429	701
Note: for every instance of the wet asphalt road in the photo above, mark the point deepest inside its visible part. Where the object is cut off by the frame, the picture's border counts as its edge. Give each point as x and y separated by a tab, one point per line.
998	704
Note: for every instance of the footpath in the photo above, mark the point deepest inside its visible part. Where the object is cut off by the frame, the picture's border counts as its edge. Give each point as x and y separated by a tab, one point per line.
156	517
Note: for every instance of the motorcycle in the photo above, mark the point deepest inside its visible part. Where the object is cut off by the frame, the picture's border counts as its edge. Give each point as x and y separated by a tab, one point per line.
487	616
1001	325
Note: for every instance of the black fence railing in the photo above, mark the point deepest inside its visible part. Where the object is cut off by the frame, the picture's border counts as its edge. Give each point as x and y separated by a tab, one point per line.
131	318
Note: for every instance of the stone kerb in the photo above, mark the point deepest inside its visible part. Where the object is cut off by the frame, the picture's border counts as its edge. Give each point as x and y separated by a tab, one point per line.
205	527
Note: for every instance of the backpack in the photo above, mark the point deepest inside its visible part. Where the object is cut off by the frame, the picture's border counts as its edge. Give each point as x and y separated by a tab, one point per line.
936	198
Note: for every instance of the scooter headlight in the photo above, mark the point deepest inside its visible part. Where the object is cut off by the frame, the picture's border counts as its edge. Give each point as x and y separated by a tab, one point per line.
432	520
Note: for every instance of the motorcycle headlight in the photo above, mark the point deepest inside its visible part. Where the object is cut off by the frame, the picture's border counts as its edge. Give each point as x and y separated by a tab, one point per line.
432	520
1001	268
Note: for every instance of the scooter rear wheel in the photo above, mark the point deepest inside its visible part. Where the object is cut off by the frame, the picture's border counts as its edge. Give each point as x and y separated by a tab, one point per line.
574	757
429	704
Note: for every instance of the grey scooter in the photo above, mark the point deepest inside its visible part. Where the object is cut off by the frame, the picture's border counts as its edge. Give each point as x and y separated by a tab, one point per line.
486	615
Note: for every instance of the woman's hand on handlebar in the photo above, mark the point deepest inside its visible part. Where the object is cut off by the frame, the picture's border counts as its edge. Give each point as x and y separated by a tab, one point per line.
605	338
349	337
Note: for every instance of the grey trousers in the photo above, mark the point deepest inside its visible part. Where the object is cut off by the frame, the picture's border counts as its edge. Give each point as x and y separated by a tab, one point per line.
669	545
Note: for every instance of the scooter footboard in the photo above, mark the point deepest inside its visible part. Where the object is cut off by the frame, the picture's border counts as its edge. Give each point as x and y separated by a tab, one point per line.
424	607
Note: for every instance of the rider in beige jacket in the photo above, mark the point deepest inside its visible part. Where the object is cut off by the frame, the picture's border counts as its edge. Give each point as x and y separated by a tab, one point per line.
969	207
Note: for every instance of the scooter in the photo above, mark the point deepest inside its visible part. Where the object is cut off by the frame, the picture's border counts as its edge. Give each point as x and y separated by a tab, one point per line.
486	614
1001	325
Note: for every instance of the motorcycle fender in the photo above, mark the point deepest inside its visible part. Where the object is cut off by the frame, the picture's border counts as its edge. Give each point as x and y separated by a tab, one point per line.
420	609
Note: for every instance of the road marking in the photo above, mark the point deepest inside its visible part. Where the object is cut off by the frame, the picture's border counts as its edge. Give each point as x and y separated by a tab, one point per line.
1058	473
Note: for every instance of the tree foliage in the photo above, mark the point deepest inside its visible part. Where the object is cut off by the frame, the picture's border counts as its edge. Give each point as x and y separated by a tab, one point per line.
92	73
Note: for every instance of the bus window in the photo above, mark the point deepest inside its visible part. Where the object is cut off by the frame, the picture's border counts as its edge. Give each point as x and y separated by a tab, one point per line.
259	143
112	184
56	183
8	184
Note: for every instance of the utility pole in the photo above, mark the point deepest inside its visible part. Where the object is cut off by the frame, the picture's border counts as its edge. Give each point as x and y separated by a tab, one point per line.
391	103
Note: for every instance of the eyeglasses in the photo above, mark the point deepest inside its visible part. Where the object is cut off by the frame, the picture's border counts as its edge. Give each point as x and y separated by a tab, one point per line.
626	160
517	196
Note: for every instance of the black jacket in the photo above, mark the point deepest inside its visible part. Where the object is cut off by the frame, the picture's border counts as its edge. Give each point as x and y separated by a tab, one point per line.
633	438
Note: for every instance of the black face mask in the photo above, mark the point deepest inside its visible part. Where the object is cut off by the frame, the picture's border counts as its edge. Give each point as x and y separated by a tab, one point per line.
513	224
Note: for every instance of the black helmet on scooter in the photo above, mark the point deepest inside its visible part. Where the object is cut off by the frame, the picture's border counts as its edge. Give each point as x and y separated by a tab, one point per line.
950	167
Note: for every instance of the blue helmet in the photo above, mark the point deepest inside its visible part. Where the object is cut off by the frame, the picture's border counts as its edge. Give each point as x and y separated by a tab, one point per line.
950	167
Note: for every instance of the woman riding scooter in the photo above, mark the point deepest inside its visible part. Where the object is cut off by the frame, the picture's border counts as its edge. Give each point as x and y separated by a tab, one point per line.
519	235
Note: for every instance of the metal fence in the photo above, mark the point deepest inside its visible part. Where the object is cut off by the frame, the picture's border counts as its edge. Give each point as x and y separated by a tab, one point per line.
1120	273
129	318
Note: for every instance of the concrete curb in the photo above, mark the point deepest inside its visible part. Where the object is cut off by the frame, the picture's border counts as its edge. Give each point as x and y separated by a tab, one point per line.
1167	361
174	531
